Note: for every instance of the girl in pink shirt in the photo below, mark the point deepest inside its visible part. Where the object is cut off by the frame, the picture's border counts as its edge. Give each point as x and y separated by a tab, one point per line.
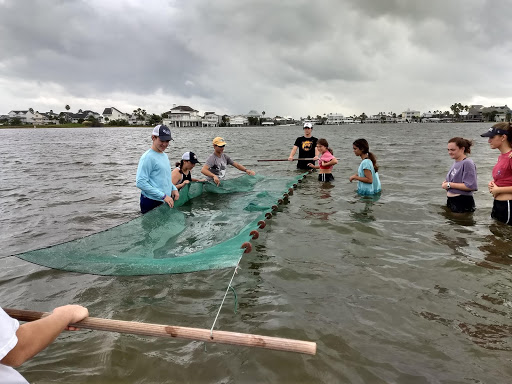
500	137
325	161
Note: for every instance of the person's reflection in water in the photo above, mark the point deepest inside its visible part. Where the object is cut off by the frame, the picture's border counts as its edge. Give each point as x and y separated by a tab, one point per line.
364	215
323	194
465	219
498	247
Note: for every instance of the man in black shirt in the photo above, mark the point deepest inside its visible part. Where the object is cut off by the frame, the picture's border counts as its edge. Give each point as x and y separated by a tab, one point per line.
307	148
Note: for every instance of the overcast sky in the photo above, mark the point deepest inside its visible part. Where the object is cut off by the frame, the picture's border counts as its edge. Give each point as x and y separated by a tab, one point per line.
284	57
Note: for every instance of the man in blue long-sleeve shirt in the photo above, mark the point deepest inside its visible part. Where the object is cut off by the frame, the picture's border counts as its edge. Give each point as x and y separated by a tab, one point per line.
154	173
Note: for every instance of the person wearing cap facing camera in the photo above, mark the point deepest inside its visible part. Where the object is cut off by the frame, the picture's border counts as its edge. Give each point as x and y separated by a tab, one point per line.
500	137
181	175
307	148
154	177
215	166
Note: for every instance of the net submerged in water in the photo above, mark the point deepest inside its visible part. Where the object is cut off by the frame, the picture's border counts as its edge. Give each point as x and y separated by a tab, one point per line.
204	231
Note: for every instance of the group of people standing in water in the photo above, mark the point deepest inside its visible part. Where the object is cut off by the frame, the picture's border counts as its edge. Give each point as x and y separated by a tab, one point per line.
461	180
160	185
311	149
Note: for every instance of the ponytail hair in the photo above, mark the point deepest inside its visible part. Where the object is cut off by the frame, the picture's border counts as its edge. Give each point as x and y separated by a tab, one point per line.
325	144
179	164
364	147
462	143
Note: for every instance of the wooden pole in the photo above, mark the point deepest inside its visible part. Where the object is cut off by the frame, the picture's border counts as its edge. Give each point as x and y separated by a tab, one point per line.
145	329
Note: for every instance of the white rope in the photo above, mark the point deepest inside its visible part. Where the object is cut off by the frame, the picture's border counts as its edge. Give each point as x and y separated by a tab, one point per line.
225	294
232	277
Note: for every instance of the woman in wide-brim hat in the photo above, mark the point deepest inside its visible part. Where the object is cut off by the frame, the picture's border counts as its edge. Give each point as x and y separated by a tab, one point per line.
500	137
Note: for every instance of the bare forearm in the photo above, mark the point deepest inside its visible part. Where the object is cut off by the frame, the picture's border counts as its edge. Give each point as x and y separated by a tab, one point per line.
33	337
364	179
205	171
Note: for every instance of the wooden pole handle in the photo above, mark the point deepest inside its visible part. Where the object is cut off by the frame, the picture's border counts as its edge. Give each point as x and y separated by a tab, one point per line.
145	329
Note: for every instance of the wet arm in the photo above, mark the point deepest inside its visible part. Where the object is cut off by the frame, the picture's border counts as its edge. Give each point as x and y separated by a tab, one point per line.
243	169
292	153
35	336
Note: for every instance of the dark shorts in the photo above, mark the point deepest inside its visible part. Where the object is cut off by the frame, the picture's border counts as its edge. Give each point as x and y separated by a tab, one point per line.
501	211
147	205
326	177
460	204
303	164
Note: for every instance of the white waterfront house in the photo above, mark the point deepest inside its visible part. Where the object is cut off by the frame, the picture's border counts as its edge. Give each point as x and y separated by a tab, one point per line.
28	117
211	119
182	116
334	119
112	113
238	121
408	116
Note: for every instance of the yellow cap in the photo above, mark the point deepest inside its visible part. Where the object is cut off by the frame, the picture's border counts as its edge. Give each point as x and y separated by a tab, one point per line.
219	142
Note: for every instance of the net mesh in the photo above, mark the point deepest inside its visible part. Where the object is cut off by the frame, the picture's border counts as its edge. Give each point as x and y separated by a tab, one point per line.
205	231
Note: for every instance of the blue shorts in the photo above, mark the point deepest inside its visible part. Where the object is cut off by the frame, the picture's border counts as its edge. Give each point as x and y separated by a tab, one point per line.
147	204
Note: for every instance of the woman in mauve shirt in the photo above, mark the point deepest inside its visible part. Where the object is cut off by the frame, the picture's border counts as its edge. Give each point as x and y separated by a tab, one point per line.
461	180
500	137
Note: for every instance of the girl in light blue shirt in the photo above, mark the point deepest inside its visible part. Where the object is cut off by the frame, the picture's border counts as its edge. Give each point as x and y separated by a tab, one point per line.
367	176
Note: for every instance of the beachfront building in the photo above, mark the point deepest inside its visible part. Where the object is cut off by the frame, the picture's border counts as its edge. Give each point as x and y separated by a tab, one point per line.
253	113
503	113
334	119
373	119
238	121
477	113
112	113
182	116
81	116
28	117
410	116
474	114
284	120
211	119
24	116
429	117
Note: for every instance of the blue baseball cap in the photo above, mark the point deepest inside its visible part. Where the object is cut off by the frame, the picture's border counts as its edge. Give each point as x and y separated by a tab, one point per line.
162	132
491	132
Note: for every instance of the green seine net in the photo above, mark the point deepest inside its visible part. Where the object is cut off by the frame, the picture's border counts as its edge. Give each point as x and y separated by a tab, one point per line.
206	231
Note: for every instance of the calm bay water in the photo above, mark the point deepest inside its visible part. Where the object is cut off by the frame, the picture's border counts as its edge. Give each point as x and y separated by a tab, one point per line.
393	291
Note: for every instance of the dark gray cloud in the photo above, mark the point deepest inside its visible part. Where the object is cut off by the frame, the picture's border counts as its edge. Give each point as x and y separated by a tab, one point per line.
292	57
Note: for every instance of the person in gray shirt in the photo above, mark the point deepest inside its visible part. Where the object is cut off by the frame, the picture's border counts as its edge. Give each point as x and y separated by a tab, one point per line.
461	180
215	166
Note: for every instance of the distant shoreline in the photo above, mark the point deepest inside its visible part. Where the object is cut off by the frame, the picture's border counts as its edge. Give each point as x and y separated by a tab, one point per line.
67	126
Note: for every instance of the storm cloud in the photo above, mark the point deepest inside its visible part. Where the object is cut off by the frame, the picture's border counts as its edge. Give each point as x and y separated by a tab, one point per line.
291	57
